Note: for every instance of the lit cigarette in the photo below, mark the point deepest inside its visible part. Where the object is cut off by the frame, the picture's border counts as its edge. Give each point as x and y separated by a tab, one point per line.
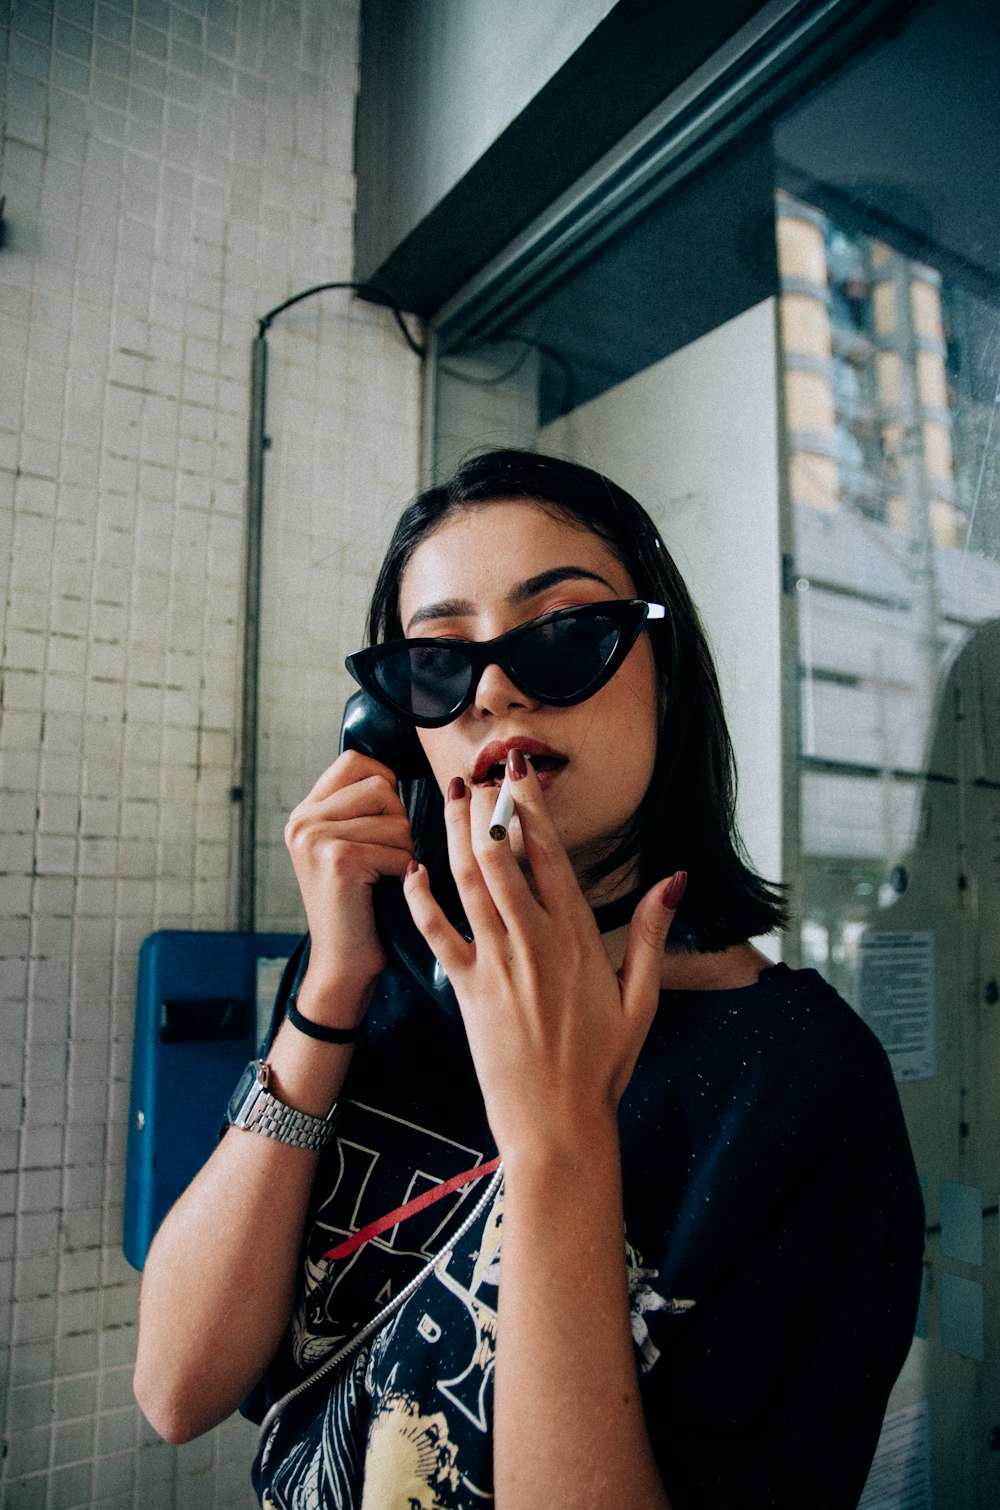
503	812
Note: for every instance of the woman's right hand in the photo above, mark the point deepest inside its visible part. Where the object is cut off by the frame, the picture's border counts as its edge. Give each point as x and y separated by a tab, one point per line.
351	830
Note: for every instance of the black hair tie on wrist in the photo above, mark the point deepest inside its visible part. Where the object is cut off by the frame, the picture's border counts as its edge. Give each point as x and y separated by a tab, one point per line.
317	1030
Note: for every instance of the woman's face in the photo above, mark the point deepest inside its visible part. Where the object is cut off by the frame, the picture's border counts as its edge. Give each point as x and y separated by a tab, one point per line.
486	569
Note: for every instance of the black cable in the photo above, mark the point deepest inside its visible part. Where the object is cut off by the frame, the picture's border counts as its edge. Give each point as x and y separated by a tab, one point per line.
491	382
363	290
567	403
415	346
530	345
257	446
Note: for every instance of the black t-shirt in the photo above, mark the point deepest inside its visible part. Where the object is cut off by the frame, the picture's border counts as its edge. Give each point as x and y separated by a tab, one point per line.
774	1232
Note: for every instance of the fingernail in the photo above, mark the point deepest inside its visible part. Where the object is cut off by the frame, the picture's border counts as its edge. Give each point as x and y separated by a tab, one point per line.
456	789
517	765
412	868
674	890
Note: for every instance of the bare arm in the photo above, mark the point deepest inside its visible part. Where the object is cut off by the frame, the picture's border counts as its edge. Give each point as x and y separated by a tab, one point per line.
569	1432
554	1033
219	1282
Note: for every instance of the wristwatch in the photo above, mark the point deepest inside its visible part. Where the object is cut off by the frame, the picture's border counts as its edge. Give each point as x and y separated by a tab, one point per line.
254	1107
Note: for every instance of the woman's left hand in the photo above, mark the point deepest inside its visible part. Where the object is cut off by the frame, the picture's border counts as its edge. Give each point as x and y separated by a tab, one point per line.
554	1030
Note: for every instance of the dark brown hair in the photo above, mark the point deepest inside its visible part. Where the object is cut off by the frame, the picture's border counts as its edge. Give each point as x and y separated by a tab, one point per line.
687	819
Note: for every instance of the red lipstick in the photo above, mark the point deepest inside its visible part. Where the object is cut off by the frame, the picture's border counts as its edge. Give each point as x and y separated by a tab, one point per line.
492	759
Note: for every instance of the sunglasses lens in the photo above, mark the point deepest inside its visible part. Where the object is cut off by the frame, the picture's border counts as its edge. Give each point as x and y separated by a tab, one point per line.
565	656
561	659
428	681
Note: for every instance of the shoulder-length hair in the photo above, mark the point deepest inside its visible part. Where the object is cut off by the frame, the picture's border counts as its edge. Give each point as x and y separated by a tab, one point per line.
687	819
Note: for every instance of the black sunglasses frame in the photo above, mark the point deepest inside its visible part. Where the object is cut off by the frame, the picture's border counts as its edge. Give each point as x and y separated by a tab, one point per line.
631	614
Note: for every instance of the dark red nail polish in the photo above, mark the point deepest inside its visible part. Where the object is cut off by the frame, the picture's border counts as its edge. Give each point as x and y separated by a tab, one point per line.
413	867
456	789
517	765
674	890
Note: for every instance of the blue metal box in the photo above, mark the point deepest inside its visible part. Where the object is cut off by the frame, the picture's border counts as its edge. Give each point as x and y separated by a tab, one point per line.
202	1007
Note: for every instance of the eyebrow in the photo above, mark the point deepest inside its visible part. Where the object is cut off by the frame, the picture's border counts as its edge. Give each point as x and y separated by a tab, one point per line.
522	592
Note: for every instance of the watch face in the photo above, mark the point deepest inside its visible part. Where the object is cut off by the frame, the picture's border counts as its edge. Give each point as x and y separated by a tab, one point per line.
247	1079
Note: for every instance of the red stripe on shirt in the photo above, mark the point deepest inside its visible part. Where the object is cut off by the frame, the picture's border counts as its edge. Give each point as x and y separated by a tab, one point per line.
401	1213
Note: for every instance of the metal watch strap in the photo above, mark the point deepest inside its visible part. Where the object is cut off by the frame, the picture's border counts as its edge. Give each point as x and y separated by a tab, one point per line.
273	1119
263	1113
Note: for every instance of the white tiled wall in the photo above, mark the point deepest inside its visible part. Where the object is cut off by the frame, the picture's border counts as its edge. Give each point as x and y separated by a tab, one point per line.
171	172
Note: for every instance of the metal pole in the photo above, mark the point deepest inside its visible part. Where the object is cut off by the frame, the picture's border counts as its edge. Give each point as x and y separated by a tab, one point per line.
247	856
259	441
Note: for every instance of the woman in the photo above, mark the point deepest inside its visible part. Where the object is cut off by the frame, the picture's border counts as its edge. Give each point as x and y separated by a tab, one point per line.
711	1229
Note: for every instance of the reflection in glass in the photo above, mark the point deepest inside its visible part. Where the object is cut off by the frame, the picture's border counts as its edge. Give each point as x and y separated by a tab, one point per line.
890	405
863	225
889	416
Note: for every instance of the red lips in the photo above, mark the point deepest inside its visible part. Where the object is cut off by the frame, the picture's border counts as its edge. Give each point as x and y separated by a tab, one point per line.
489	767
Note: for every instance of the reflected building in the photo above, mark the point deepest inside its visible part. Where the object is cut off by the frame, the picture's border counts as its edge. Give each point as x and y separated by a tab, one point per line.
885	424
889	404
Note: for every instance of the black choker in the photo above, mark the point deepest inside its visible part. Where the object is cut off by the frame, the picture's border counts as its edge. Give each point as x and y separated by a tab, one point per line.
611	915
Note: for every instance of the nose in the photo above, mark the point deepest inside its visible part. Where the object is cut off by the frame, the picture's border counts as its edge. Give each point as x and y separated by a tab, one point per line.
497	694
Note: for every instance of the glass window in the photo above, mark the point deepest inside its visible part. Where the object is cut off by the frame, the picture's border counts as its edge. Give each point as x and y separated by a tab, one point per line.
792	358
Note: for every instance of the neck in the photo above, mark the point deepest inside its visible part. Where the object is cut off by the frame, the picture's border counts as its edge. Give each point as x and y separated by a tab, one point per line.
617	913
683	970
611	888
728	970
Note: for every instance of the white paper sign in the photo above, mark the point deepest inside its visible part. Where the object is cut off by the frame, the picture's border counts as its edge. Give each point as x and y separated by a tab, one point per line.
895	996
962	1222
900	1477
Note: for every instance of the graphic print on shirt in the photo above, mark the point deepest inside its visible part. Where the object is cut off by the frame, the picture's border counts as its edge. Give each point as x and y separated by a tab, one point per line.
438	1351
643	1299
324	1467
379	1163
409	1424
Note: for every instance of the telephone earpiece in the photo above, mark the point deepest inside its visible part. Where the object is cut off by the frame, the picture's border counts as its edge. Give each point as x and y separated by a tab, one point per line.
377	732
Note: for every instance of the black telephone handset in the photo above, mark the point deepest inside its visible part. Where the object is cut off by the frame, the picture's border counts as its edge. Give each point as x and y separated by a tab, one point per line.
373	730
